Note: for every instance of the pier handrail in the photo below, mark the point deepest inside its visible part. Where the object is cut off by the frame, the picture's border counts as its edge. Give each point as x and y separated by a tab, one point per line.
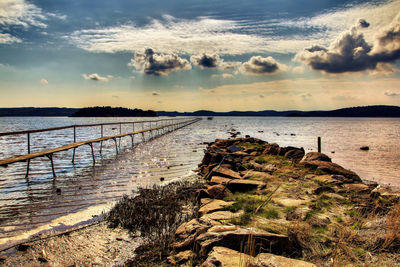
49	152
82	125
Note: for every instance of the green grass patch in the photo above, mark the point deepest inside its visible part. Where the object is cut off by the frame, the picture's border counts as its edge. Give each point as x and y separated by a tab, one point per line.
289	209
251	145
261	160
271	214
339	219
243	219
245	201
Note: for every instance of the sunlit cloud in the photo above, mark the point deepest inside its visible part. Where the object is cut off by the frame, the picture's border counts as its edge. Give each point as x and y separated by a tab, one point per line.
258	65
97	78
44	81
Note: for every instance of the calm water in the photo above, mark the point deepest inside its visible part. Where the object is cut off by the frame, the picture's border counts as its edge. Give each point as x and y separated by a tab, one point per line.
37	203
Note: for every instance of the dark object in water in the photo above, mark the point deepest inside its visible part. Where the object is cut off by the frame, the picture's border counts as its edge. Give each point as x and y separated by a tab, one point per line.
365	148
58	190
210	118
162	179
247	136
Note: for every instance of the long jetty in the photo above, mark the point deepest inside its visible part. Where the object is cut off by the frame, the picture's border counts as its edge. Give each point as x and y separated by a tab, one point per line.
156	129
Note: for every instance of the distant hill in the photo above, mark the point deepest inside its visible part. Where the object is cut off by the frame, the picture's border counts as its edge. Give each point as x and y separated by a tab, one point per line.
367	111
113	112
42	112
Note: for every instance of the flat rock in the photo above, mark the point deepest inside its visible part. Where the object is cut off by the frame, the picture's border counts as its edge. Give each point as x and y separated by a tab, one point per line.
358	188
219	180
225	172
271	260
238	239
312	156
218	191
222	215
187	232
214	205
181	257
225	257
290	202
223	228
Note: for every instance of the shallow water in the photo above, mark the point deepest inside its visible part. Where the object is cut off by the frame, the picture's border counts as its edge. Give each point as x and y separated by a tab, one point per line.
26	204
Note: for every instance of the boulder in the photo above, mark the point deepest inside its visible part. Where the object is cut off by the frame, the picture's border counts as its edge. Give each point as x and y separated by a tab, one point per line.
311	156
240	238
331	168
181	257
225	257
271	149
234	148
283	150
271	260
296	154
225	172
215	205
236	185
218	191
323	189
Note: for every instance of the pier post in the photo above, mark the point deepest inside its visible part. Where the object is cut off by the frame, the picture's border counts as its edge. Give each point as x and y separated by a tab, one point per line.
319	144
29	151
101	142
73	154
91	147
50	156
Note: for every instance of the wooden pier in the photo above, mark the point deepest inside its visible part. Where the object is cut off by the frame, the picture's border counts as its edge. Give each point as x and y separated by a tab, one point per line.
156	128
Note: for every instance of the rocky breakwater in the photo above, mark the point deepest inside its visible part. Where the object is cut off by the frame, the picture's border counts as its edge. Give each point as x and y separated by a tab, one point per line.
266	205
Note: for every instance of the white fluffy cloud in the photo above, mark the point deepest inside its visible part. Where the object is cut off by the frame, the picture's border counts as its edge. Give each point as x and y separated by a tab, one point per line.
97	78
23	14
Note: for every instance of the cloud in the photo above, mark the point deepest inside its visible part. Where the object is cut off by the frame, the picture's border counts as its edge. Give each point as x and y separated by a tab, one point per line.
350	52
298	70
223	75
115	96
158	65
258	65
391	94
21	14
171	35
261	96
44	81
205	61
97	78
155	93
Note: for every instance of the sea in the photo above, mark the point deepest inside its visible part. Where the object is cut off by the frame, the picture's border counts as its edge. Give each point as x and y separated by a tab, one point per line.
82	191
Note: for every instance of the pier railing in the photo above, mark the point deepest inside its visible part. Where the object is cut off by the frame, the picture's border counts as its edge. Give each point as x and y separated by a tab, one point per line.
155	128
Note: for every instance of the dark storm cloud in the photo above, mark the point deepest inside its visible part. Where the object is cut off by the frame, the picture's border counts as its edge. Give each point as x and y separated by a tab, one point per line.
258	65
351	53
205	61
158	65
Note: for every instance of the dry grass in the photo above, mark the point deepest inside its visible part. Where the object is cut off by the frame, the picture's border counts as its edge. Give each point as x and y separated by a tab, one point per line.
392	237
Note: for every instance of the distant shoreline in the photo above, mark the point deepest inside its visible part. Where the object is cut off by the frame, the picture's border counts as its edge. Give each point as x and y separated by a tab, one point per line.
377	111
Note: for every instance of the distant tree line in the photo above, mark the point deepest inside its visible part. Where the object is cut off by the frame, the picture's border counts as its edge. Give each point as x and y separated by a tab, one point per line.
113	112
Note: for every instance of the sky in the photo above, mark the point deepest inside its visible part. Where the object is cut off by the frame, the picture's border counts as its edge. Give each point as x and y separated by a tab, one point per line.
181	55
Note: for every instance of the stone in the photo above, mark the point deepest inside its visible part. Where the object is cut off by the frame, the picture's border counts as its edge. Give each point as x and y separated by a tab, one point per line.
238	239
236	185
290	202
218	191
271	149
312	156
225	172
225	257
271	260
357	188
219	180
296	154
215	205
223	228
322	189
332	168
187	232
222	215
234	148
365	148
181	257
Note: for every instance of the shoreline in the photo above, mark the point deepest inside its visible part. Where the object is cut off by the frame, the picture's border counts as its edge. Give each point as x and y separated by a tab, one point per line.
283	189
